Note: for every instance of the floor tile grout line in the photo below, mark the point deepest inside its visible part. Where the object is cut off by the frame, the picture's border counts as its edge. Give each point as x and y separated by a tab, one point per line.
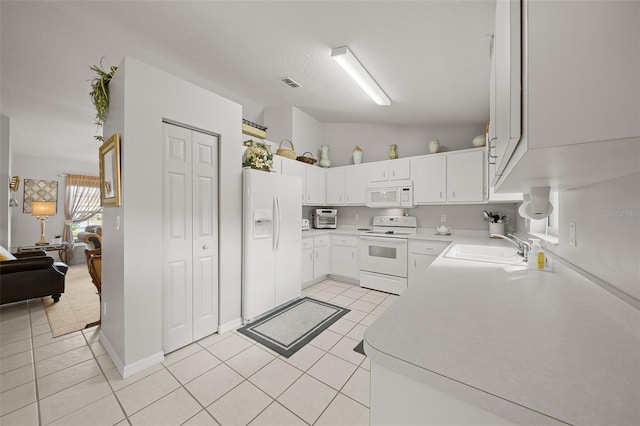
244	379
104	374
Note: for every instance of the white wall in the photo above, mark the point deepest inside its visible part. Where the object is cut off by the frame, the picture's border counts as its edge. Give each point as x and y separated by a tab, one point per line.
607	217
141	97
374	139
25	229
5	178
305	132
308	133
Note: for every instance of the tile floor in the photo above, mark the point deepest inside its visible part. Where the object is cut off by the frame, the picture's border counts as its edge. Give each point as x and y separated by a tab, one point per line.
222	379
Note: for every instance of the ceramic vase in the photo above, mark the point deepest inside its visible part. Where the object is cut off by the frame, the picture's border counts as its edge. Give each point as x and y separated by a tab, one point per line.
434	146
357	155
393	151
324	156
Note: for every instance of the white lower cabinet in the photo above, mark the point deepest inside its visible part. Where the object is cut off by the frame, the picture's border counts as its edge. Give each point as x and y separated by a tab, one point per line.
344	256
321	259
421	255
307	260
315	259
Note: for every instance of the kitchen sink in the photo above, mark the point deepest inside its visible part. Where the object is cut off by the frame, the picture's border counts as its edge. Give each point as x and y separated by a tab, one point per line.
492	254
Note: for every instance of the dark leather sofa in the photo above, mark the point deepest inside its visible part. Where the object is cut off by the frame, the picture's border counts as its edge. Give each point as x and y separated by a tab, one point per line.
31	275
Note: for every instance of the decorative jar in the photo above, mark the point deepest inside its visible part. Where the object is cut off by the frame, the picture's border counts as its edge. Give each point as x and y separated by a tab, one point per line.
434	146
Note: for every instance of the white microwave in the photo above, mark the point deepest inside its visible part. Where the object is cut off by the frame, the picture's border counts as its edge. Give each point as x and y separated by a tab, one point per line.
390	194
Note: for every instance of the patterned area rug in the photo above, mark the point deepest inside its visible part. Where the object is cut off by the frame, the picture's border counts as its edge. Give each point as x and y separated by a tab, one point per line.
289	328
78	306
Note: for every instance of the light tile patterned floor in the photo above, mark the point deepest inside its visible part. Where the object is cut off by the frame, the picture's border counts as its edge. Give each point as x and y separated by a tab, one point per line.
222	379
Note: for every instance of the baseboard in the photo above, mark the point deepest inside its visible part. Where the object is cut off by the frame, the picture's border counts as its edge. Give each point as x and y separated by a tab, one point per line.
342	279
111	352
130	369
231	325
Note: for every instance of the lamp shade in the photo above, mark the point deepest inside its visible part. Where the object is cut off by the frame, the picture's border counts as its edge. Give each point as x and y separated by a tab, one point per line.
43	208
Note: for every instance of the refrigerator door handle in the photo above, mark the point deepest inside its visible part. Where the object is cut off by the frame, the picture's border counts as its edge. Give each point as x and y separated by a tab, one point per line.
276	231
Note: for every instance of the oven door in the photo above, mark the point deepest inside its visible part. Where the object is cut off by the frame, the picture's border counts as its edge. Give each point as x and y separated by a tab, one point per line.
384	255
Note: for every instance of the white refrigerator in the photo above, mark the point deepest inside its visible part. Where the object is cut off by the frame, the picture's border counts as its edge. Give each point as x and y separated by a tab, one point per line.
272	242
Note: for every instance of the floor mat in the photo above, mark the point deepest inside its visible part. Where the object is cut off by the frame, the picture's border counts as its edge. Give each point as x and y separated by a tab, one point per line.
292	326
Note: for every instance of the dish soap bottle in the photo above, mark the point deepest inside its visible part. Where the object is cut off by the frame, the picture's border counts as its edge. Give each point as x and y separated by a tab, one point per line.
541	259
533	258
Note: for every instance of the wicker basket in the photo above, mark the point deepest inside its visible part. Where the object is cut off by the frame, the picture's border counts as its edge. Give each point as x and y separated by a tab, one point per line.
285	152
306	159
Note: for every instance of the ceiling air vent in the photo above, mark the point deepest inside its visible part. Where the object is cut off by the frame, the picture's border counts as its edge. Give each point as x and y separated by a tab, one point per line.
290	82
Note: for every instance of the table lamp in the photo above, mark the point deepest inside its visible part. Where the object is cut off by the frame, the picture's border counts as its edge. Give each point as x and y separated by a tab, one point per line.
42	209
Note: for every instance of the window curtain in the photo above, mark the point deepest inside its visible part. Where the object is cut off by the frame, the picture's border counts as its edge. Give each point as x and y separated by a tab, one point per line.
81	202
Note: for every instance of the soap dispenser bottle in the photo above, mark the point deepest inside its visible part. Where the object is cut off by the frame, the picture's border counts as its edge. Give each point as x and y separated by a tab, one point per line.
534	255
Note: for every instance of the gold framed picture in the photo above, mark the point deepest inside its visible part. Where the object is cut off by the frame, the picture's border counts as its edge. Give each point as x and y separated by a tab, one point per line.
110	189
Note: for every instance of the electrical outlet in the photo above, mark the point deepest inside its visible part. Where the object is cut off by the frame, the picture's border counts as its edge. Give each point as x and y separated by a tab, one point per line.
104	309
572	234
443	218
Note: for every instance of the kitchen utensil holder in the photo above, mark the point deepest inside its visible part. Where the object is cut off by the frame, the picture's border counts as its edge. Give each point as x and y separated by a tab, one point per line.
496	228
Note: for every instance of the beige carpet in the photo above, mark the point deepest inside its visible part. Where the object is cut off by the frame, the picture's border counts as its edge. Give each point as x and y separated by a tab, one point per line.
78	306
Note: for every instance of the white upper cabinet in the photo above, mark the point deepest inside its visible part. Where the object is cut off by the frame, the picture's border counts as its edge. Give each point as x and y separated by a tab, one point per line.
346	185
389	170
465	177
335	186
505	87
297	169
315	186
313	180
429	179
580	91
355	185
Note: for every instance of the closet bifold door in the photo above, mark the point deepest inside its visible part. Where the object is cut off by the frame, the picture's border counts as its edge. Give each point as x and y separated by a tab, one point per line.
190	224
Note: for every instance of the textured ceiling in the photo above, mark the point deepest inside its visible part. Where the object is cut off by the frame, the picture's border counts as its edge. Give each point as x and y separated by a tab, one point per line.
430	57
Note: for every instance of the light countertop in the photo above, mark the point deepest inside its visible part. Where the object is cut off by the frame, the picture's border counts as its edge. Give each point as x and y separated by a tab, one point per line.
530	346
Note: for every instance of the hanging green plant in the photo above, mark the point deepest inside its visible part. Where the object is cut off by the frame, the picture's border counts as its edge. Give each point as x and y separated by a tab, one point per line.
100	92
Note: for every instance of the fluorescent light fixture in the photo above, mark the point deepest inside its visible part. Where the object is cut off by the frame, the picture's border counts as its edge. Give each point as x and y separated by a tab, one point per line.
354	68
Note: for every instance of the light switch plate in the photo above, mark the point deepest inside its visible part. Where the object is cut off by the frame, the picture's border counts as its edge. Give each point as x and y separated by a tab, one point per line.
572	234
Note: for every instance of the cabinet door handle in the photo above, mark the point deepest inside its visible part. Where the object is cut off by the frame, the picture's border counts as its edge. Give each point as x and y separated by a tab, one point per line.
489	154
316	255
353	254
441	195
453	194
415	263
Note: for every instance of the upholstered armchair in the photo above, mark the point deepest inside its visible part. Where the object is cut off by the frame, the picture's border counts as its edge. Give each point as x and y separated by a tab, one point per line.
92	237
94	264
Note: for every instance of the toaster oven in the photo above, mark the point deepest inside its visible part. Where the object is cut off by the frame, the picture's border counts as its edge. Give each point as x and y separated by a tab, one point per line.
324	218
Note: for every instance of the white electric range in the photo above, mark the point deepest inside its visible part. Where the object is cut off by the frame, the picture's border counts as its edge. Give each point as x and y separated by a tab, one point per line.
384	253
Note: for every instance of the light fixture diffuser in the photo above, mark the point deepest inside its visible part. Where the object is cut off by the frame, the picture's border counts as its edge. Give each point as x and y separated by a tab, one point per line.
354	68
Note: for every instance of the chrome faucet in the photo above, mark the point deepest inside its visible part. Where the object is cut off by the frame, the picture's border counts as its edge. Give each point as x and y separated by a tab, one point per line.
523	246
